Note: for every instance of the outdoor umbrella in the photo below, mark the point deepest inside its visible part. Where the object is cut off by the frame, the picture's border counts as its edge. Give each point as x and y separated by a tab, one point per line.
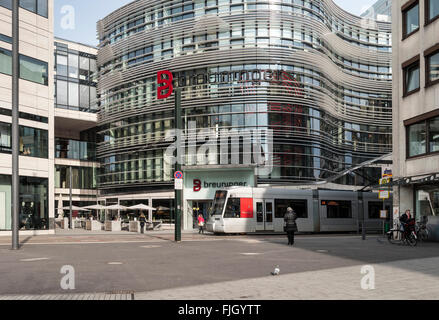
141	207
74	208
160	208
117	207
96	207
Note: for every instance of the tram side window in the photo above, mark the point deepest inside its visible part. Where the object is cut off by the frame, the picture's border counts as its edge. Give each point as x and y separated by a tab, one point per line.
375	208
299	206
220	199
233	208
339	209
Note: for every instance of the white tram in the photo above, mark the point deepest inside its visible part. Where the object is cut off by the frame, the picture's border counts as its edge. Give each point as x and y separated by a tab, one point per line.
250	210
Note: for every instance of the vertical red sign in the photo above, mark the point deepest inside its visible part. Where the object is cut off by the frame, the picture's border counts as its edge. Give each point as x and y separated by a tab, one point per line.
167	84
247	208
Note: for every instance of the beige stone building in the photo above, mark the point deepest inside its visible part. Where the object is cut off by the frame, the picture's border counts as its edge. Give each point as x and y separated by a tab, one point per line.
416	107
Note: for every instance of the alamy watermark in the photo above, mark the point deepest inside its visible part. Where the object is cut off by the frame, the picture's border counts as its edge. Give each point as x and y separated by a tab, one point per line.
221	146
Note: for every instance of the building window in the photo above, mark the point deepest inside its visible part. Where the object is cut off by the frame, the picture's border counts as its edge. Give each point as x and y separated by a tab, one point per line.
6	3
423	137
417	139
410	17
339	209
432	67
34	203
431	10
39	7
33	142
33	70
411	78
5	138
5	61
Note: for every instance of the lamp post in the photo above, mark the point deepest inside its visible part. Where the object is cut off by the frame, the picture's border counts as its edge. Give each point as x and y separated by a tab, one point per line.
15	128
178	193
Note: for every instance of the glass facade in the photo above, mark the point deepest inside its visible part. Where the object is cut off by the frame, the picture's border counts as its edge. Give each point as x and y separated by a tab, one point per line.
412	78
75	79
34	142
74	149
433	9
30	69
322	124
34	210
82	177
432	67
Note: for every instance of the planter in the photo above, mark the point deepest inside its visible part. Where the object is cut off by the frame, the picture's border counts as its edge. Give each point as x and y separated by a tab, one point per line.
93	225
113	226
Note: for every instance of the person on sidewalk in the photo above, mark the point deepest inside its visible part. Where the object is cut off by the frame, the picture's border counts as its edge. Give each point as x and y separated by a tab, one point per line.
290	225
142	220
201	223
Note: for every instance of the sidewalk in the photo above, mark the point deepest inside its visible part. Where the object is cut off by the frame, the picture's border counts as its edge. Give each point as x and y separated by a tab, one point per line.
394	281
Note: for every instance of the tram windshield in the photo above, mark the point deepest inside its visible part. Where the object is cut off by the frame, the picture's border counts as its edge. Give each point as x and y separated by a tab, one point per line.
219	202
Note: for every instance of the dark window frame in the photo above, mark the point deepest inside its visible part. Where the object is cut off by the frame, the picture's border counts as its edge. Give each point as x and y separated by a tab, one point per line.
405	66
427	55
427	13
425	118
404	9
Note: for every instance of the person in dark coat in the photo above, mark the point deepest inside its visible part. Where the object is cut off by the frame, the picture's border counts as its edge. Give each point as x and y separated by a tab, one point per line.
142	220
290	225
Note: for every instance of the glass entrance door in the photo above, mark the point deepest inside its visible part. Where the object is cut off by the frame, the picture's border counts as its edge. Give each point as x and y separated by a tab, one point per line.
264	215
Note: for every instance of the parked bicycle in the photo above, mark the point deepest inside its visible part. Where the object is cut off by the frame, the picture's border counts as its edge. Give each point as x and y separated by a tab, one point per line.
405	234
422	231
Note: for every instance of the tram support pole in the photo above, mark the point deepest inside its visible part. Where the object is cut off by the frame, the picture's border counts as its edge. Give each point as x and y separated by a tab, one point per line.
178	193
15	205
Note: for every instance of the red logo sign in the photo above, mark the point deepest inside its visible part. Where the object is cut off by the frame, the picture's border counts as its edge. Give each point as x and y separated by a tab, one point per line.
167	84
197	185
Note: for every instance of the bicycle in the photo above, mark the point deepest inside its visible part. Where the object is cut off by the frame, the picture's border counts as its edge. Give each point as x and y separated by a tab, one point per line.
422	231
396	236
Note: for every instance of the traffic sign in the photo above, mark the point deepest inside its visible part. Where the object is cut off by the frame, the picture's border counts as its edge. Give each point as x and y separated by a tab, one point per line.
178	185
178	175
383	214
385	181
384	195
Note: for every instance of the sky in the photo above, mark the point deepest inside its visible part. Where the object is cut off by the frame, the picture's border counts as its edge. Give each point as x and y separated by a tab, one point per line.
75	20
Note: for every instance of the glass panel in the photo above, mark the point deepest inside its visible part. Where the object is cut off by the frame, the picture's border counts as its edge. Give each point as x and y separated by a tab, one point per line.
34	211
73	94
33	142
5	137
339	209
433	9
433	62
417	137
42	8
269	211
61	65
84	97
412	78
412	19
259	212
61	92
233	208
30	5
73	65
5	61
299	206
84	65
33	70
6	4
434	134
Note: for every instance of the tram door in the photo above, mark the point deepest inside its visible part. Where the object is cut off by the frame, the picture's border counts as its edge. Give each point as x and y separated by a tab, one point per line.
264	215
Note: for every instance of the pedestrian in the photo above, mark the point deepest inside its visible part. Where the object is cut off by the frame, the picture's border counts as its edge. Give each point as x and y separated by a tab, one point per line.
290	225
201	223
142	220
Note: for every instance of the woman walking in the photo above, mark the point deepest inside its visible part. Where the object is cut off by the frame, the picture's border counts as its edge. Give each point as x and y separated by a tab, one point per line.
290	225
201	223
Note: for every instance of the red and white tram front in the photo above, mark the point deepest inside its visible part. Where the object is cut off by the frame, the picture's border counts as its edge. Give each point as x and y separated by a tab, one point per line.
231	213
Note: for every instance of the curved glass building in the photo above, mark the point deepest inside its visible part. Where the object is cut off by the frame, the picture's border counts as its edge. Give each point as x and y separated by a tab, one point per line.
317	76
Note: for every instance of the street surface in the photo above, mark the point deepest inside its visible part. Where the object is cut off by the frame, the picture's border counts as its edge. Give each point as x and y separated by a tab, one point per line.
207	267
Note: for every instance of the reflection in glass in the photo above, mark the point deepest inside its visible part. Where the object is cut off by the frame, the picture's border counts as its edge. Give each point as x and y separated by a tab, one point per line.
412	19
417	139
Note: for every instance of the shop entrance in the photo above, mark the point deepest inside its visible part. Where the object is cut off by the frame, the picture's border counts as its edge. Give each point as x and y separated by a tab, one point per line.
202	207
